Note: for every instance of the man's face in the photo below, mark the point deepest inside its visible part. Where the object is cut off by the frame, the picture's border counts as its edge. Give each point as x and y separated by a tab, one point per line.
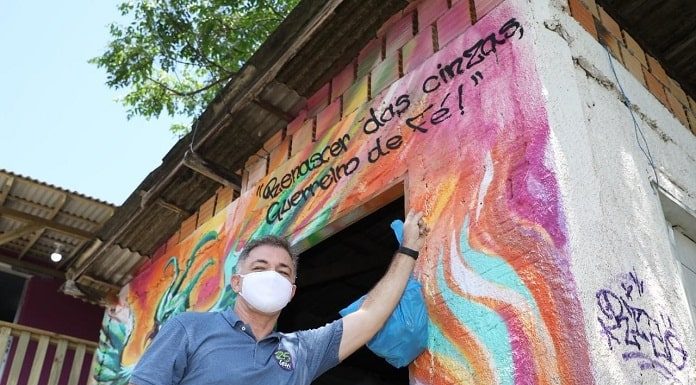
263	258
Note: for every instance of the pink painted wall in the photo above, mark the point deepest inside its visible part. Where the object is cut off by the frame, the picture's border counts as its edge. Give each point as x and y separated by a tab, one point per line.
44	307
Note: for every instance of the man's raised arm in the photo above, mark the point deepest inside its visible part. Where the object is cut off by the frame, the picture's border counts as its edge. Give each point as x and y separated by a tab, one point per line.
361	325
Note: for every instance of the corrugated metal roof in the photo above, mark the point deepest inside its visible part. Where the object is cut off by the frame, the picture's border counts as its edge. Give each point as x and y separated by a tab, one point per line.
123	263
36	218
6	174
58	218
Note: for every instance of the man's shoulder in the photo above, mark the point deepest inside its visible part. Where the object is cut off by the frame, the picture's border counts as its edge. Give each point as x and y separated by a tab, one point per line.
192	319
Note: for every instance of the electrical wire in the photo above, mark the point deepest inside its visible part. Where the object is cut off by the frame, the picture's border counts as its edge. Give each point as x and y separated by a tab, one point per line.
636	127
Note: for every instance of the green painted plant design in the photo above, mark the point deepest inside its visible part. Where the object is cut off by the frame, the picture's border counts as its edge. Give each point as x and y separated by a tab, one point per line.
175	300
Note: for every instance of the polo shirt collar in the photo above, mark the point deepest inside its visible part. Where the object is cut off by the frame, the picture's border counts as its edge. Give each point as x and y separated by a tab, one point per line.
234	321
232	317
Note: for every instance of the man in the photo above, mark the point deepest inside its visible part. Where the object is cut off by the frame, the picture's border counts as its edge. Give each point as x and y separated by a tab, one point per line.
240	346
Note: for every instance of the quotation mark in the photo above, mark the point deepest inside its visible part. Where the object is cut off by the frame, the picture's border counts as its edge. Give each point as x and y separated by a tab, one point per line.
476	76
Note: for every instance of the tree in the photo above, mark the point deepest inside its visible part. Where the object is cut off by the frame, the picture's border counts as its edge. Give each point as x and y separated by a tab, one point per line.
176	55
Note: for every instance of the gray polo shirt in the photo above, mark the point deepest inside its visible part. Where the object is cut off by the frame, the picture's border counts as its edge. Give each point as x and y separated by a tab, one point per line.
219	348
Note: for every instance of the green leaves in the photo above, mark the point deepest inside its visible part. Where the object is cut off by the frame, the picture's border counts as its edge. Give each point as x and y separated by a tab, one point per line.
176	55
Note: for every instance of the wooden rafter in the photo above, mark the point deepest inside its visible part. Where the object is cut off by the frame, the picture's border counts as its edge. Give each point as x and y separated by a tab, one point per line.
280	114
39	206
26	217
72	254
35	237
5	190
31	267
176	209
211	170
14	234
93	282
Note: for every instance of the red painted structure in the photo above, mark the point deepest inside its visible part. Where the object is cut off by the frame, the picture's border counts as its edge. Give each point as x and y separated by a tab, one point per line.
44	307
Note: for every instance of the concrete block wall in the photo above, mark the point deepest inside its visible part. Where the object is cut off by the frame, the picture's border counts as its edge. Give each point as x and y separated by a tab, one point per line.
614	162
222	198
645	68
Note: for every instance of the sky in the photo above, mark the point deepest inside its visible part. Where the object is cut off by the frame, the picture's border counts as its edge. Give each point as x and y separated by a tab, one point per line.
59	122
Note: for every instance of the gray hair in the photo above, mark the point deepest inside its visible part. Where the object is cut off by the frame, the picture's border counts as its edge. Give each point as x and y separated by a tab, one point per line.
268	240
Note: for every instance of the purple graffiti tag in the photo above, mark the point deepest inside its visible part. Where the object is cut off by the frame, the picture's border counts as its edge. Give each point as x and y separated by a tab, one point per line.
645	363
631	283
612	308
650	341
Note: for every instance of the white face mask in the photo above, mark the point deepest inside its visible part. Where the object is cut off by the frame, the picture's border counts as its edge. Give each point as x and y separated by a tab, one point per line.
266	291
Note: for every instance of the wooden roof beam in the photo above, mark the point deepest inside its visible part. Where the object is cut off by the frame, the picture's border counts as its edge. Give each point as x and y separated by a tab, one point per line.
173	208
72	254
280	114
32	268
14	234
212	171
39	206
35	237
33	219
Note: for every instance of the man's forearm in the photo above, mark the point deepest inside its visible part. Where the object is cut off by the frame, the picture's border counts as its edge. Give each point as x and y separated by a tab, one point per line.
360	326
383	298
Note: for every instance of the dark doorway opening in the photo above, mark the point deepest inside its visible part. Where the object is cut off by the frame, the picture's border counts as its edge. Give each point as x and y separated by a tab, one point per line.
332	275
11	287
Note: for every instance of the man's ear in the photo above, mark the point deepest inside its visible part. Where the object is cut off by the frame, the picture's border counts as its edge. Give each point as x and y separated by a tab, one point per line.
294	289
236	283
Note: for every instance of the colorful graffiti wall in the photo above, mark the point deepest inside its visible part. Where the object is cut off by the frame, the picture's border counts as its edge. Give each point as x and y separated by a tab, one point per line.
467	133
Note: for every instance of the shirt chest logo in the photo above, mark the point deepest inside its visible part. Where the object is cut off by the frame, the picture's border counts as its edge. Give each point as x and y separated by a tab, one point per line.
283	358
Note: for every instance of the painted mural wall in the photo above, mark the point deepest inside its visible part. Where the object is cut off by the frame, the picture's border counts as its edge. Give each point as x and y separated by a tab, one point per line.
467	132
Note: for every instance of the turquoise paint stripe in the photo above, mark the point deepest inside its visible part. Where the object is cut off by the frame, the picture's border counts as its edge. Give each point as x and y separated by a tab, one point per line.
495	270
440	345
230	264
226	297
488	326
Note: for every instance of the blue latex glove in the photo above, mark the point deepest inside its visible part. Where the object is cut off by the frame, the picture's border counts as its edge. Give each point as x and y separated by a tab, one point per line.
398	227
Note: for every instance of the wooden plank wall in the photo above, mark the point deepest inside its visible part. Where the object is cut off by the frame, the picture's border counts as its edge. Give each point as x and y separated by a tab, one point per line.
18	338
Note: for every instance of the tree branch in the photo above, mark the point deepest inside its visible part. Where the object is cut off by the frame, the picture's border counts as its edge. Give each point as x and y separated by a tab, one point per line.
275	11
190	93
198	53
205	59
